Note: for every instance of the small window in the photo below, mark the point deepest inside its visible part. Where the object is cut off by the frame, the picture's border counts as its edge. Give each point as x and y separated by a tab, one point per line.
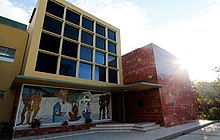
100	58
111	47
49	43
71	32
88	24
100	30
69	49
113	76
72	17
68	67
2	94
55	9
7	54
100	43
52	25
112	61
111	35
46	63
87	38
100	74
140	103
86	54
85	71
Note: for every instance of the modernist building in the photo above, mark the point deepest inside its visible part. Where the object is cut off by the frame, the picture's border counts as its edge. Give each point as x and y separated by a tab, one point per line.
67	67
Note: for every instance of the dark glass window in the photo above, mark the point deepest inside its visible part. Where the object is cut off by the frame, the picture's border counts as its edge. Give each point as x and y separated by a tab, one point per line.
85	71
100	30
112	61
87	38
68	67
71	32
100	43
100	74
52	25
55	9
7	54
49	43
69	49
113	76
72	17
86	54
111	35
88	24
100	58
46	63
111	47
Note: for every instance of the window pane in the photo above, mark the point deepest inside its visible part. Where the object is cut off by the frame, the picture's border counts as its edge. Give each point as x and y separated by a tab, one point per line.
113	76
112	61
111	35
100	43
52	25
49	43
100	74
85	71
88	24
68	67
86	54
55	9
7	54
69	49
100	58
87	38
46	63
72	17
71	32
111	47
100	30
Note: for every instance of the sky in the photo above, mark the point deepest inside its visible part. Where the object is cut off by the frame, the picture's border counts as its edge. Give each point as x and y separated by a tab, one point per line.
189	29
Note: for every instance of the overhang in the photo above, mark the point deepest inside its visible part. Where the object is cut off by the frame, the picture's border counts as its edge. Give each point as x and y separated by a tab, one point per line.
20	79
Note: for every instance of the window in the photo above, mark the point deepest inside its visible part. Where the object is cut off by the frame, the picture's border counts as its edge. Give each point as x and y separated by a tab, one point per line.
140	103
100	30
55	9
100	74
49	43
100	58
88	24
52	25
2	94
87	38
68	67
111	35
72	17
7	54
46	63
86	54
69	49
111	47
112	61
100	43
85	71
113	76
71	32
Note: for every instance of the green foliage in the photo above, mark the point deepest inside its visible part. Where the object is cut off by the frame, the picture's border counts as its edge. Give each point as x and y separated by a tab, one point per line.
208	99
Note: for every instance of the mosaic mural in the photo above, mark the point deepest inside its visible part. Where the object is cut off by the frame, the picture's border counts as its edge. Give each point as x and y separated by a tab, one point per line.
55	105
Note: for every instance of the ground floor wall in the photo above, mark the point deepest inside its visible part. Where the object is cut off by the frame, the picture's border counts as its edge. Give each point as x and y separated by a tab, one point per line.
143	106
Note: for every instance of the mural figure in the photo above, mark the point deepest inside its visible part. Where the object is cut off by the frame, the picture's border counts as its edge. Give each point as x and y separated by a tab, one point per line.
35	106
74	113
106	105
87	112
104	102
57	112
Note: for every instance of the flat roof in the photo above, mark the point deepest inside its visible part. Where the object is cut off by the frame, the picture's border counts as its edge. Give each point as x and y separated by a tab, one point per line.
13	23
21	79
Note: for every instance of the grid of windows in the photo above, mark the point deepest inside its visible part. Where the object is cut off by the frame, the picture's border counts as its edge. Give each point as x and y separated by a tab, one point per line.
74	45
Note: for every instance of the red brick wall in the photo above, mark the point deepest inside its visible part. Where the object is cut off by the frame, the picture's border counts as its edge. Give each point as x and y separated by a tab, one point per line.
149	112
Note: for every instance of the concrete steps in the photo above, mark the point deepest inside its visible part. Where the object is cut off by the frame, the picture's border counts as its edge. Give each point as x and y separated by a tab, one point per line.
143	127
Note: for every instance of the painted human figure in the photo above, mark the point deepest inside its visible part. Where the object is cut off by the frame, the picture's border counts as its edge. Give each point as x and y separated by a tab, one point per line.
106	105
101	107
86	114
74	113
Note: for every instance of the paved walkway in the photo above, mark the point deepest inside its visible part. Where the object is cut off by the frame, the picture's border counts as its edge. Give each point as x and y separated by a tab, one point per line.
159	134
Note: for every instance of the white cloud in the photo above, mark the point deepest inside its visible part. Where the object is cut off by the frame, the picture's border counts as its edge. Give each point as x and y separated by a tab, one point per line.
14	11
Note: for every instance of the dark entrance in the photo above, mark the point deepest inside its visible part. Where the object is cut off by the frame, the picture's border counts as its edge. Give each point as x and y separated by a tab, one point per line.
117	107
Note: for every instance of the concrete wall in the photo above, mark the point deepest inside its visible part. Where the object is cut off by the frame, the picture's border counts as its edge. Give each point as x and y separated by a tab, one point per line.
11	38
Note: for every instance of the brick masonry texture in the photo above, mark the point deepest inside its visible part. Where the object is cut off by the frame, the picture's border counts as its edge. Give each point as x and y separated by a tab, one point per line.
154	65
